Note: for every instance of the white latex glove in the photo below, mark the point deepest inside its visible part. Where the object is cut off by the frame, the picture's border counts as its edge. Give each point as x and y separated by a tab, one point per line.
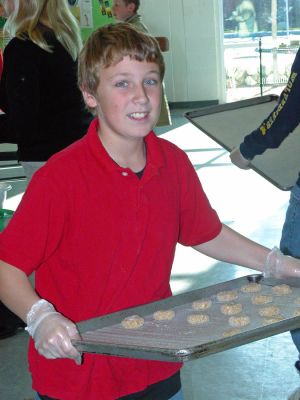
280	266
238	159
52	332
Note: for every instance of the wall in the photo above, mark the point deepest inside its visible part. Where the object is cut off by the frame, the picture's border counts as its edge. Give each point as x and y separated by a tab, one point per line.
195	65
99	19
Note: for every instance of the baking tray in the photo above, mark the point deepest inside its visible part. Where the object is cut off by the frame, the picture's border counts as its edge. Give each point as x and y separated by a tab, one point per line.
176	340
228	124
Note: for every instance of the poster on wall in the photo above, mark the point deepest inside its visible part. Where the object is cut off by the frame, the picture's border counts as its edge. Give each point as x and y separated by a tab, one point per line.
91	14
82	10
86	14
105	8
86	10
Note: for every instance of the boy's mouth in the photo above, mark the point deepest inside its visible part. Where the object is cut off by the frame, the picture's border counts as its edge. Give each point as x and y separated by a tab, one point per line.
138	115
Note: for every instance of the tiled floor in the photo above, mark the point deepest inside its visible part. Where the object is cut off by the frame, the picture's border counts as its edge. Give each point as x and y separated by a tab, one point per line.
262	370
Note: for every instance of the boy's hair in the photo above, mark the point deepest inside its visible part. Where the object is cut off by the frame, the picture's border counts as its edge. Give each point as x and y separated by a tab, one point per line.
108	45
25	22
135	2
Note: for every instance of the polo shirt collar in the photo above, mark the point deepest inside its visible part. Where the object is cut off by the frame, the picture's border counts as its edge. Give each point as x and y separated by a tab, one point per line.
155	155
133	19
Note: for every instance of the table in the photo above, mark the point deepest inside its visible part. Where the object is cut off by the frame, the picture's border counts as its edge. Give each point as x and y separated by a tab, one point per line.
228	124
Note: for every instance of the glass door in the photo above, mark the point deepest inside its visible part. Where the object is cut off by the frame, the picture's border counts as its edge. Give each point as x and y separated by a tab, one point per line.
261	38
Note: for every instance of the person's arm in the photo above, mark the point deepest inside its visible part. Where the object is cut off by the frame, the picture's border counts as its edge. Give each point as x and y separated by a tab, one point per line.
277	126
231	247
51	331
16	291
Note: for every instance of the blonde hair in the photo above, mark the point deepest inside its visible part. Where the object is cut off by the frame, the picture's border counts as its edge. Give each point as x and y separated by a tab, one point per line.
28	15
108	45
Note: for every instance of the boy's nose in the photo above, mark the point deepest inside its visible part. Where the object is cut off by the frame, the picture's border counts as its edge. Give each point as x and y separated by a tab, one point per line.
140	94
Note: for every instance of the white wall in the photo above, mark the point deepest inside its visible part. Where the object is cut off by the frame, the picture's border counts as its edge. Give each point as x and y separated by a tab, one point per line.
195	66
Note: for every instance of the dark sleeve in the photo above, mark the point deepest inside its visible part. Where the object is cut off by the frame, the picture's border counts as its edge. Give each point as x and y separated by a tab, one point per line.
282	120
19	92
4	131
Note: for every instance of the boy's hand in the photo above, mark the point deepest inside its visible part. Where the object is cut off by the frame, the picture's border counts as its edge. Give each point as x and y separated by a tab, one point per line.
238	159
52	332
279	266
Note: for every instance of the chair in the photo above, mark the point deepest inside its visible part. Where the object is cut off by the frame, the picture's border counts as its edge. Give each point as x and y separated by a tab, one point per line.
163	43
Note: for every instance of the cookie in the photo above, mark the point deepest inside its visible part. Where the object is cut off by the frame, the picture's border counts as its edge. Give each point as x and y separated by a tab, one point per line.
164	315
133	322
197	319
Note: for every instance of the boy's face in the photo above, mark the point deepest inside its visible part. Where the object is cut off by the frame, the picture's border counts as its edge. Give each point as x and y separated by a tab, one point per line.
128	99
122	11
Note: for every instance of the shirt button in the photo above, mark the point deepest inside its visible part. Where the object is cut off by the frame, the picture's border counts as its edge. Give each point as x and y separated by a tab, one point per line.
124	173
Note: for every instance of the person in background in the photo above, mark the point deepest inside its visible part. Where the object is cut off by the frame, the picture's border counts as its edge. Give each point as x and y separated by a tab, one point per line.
44	109
127	11
245	17
269	135
1	63
1	52
9	322
102	237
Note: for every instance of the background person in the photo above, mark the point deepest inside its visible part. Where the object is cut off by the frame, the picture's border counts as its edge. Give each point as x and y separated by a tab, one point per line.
44	110
1	63
9	322
127	11
269	135
245	17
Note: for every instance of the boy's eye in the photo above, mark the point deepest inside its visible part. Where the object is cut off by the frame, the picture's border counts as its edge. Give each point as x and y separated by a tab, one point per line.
121	84
150	82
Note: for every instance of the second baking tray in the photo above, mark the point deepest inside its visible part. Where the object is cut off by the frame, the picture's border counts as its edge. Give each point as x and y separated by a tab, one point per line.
228	124
177	340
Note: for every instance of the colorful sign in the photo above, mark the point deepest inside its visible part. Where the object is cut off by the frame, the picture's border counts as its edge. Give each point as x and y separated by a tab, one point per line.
91	14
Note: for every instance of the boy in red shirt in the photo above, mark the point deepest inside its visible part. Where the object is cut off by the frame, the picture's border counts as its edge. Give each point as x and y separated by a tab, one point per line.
127	11
99	224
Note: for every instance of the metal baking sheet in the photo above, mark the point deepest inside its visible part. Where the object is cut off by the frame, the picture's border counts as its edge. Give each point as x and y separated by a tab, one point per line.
228	124
177	340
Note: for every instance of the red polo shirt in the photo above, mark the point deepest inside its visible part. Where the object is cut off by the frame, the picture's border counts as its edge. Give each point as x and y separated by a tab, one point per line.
101	240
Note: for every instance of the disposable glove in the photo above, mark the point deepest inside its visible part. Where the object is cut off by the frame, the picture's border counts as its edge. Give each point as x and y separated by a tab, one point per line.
52	332
280	266
238	159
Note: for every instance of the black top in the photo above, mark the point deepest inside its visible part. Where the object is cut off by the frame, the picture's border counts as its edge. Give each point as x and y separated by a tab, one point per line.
281	122
44	109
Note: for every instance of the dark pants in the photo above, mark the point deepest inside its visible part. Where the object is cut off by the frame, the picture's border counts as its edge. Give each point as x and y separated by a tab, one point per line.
9	322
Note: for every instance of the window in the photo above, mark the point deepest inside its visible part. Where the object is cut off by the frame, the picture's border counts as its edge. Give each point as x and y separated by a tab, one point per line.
261	38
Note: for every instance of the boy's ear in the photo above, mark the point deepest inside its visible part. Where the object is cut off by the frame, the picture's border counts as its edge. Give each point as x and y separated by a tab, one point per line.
89	99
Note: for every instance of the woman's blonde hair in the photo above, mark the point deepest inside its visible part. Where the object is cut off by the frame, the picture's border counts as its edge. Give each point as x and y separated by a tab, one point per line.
28	15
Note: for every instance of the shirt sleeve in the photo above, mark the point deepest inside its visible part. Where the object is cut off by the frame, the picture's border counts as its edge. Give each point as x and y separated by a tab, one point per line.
199	222
37	226
20	92
282	120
